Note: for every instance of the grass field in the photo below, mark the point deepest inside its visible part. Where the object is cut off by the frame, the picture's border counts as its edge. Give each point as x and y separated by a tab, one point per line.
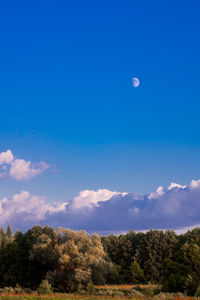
115	292
10	296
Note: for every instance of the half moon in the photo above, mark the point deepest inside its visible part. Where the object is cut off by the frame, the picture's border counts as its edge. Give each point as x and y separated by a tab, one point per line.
136	82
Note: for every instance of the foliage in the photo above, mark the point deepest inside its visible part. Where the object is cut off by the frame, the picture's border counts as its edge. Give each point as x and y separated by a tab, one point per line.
44	288
197	293
71	260
71	256
90	287
136	272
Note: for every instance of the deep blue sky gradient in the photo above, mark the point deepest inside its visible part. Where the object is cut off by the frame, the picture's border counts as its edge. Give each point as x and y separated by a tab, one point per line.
66	93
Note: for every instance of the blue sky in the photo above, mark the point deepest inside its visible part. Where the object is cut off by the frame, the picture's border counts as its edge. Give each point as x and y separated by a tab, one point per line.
67	96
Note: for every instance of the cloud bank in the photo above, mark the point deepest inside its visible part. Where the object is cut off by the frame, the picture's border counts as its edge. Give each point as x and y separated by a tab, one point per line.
19	169
106	211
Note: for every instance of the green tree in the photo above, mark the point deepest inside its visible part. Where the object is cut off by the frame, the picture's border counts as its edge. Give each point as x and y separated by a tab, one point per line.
174	278
9	231
136	273
155	253
2	235
191	258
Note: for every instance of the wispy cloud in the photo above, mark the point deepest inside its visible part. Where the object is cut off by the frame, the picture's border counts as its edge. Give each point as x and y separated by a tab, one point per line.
19	169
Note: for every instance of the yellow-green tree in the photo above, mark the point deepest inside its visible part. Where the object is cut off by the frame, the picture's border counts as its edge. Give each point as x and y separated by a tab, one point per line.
73	254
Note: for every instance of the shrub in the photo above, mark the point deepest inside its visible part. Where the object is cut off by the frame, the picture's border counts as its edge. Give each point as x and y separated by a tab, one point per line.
8	289
90	287
44	288
27	290
18	289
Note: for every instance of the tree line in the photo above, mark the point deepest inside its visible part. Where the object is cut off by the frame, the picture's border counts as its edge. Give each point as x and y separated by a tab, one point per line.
71	260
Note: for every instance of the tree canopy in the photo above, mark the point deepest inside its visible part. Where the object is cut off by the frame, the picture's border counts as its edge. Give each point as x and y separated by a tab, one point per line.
71	259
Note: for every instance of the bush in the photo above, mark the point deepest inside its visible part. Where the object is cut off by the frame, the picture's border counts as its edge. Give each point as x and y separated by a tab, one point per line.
18	289
150	291
44	288
90	287
27	290
8	289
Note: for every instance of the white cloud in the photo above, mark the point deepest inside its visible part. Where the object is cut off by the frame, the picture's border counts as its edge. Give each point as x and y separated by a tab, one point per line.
24	170
176	185
90	198
195	183
6	157
19	169
23	208
159	192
